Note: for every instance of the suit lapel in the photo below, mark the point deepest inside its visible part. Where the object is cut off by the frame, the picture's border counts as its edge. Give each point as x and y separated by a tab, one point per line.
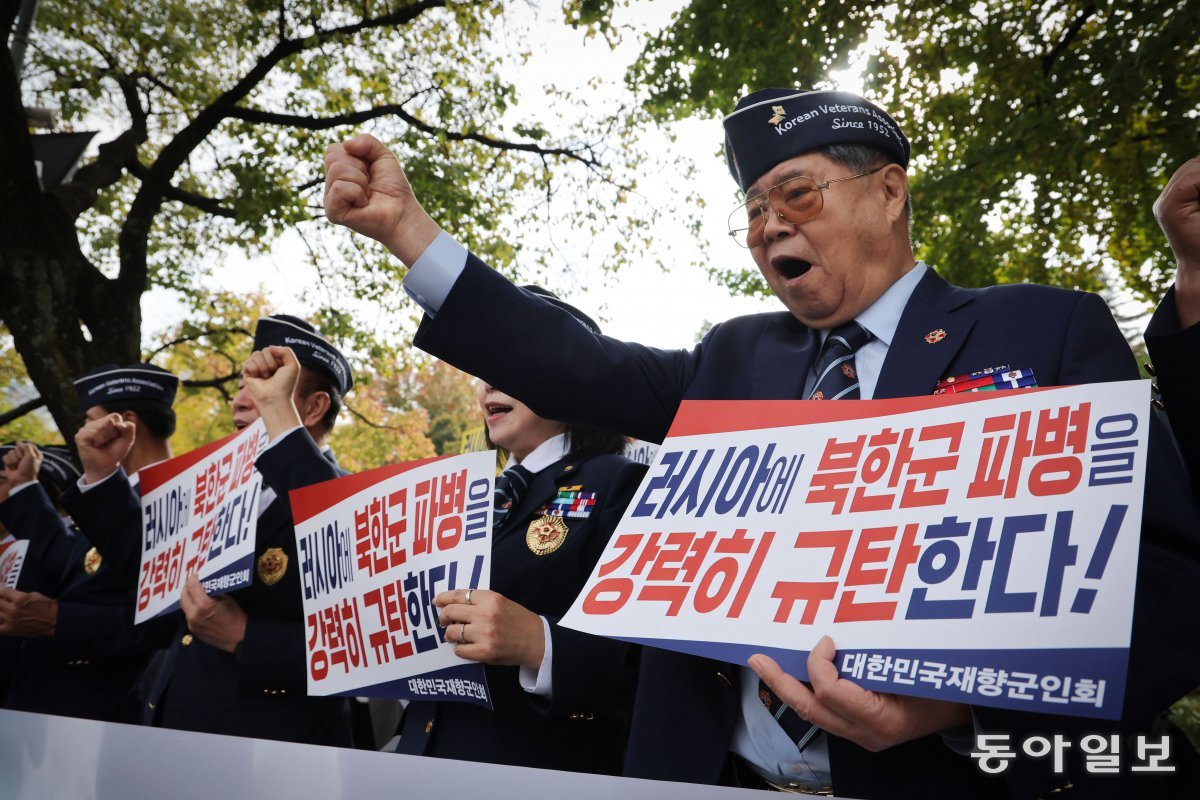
782	358
914	365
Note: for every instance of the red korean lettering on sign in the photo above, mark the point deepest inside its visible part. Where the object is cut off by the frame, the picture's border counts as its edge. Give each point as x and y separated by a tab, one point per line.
390	641
247	450
884	471
1054	445
336	638
677	566
201	543
379	529
879	558
438	514
213	484
162	575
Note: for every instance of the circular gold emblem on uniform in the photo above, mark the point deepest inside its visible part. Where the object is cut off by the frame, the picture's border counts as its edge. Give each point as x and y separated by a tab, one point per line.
92	561
271	565
546	534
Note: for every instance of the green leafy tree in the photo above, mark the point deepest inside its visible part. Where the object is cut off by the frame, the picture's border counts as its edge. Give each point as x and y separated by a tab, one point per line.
1042	131
448	396
215	115
377	426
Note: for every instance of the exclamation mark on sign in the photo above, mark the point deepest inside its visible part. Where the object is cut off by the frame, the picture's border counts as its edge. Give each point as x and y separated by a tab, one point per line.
1095	570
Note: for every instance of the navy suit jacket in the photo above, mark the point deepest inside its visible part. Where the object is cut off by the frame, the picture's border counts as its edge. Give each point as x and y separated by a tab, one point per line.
583	728
686	707
88	667
260	690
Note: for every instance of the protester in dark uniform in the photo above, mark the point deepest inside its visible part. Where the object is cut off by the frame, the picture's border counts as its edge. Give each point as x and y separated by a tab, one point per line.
826	222
236	664
560	697
55	548
81	653
56	553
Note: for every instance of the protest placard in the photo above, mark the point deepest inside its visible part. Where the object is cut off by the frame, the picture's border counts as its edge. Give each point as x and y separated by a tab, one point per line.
980	548
374	550
199	514
12	557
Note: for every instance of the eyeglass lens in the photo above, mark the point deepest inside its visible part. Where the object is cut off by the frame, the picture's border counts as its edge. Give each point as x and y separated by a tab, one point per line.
796	200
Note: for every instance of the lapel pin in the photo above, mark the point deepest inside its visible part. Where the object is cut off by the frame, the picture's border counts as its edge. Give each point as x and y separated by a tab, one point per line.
933	337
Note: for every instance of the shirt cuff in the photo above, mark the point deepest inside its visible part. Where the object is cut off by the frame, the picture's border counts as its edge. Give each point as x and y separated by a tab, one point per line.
21	486
281	437
541	682
87	487
433	276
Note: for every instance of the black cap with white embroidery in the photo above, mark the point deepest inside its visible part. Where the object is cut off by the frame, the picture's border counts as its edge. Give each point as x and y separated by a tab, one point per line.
108	383
312	350
772	125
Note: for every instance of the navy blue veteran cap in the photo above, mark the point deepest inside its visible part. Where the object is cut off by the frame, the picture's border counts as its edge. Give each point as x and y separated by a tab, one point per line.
554	299
108	383
312	350
772	125
57	467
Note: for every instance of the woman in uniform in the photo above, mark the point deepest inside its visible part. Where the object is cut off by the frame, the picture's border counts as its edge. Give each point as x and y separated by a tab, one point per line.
559	696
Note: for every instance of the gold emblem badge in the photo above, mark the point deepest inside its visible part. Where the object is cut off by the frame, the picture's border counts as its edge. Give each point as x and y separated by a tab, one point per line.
271	565
817	396
933	337
92	561
779	115
848	371
546	534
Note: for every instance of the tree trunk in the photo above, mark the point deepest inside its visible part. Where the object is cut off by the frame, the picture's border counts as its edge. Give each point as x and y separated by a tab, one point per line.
47	286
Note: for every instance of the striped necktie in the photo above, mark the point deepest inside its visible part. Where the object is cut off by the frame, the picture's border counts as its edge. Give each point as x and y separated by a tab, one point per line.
510	487
837	379
798	729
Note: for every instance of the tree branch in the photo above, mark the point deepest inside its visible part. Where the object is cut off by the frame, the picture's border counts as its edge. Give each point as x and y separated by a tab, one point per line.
81	192
1072	31
378	425
193	337
211	383
21	410
133	244
209	205
358	117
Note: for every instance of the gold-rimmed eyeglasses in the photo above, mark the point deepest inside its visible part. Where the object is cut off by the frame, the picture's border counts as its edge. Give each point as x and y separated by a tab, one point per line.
796	200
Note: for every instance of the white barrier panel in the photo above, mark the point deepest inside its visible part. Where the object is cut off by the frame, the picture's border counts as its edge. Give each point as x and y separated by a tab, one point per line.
45	757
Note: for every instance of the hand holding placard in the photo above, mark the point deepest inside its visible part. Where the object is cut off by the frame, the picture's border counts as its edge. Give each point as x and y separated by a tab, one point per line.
218	621
27	614
873	720
498	631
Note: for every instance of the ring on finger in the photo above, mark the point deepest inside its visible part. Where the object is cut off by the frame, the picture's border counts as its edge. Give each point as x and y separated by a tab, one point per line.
469	596
462	633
